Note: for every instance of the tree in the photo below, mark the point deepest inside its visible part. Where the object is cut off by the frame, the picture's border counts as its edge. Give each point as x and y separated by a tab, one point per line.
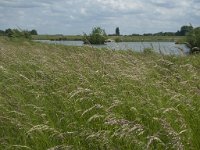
97	36
2	32
9	32
184	30
26	34
193	39
33	32
117	32
16	33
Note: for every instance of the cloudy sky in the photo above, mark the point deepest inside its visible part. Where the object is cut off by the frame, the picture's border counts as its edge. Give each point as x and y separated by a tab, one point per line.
78	16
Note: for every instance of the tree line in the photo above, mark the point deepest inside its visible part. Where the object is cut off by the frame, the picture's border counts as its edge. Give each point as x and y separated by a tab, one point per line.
17	33
184	30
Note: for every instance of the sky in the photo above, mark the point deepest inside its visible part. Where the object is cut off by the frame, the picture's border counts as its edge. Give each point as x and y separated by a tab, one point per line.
73	17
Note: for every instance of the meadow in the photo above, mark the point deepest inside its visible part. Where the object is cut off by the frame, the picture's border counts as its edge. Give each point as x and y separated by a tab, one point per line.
58	37
63	97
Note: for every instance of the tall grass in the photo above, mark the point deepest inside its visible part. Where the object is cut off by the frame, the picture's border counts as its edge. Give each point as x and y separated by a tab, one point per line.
58	97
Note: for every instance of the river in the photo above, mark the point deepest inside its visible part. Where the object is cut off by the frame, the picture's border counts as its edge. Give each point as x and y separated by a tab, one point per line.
160	47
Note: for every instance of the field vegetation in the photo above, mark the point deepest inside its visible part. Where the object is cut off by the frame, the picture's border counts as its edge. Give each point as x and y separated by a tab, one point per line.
61	97
58	37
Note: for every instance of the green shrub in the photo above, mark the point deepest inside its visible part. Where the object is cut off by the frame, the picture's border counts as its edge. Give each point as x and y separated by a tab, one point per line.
15	33
193	40
97	36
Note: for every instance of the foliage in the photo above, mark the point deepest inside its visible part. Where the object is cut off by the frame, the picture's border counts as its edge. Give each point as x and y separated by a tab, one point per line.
164	34
15	33
18	33
97	36
193	38
184	30
117	31
33	32
58	97
2	32
9	32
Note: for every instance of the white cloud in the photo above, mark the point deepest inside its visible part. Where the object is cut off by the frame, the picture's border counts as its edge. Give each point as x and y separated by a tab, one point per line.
77	16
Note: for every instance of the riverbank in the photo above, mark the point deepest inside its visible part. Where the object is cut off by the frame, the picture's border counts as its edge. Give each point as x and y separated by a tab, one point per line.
55	96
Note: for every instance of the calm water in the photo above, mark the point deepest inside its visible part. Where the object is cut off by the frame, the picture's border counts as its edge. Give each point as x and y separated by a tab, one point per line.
164	47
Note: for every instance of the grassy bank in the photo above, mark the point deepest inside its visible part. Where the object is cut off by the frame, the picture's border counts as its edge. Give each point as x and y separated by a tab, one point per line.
58	37
58	97
179	39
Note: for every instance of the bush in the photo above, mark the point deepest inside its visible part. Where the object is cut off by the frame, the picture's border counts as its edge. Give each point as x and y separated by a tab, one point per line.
2	33
33	32
193	40
98	36
15	33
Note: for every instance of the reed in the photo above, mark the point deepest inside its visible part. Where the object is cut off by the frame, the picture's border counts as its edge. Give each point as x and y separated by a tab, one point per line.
60	97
